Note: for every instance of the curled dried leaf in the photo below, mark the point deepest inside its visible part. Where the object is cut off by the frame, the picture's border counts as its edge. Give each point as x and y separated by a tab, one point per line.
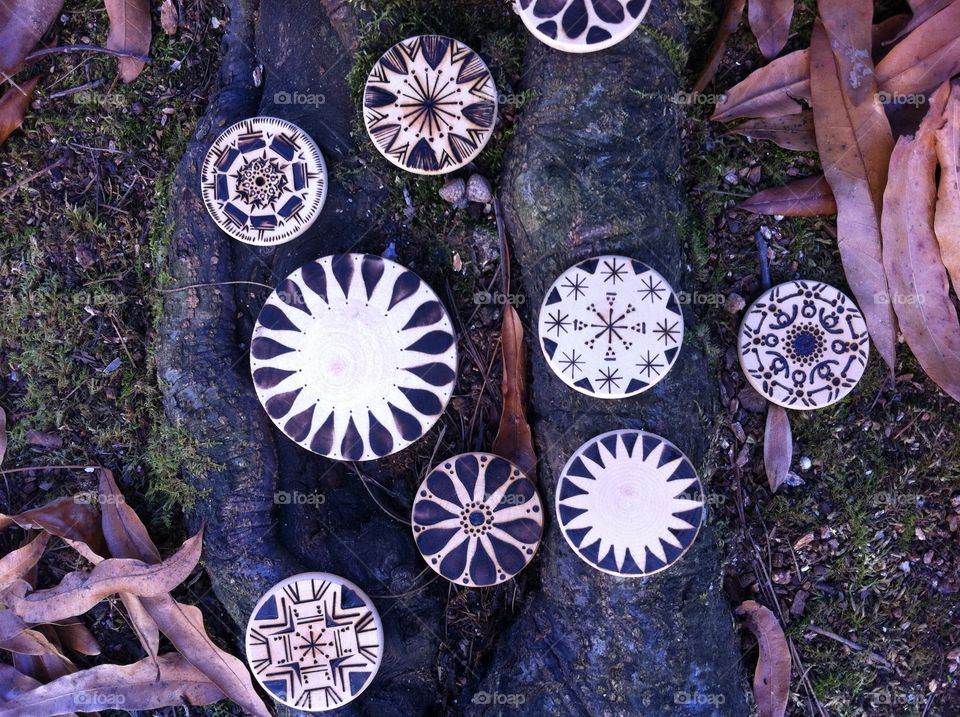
790	131
770	24
130	31
514	440
946	224
71	518
22	24
13	108
807	197
777	446
774	90
17	563
925	58
728	26
771	680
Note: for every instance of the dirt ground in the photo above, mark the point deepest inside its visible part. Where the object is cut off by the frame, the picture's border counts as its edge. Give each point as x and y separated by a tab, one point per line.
864	548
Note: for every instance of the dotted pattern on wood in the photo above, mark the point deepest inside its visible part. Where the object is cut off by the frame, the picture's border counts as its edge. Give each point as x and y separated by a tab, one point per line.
264	181
314	642
477	519
430	104
803	345
354	357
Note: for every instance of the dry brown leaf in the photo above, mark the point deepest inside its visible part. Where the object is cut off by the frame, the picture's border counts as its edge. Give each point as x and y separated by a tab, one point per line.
946	224
75	636
143	625
854	140
13	107
790	131
70	518
14	683
183	625
80	590
771	680
129	687
911	255
925	58
807	197
53	666
169	17
774	90
17	637
770	24
130	31
777	446
41	439
514	440
22	24
728	26
885	31
923	10
17	563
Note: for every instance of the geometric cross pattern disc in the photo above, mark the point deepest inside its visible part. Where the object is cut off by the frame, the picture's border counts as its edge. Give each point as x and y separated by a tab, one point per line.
629	503
314	642
581	25
610	327
803	345
430	104
353	357
477	519
264	181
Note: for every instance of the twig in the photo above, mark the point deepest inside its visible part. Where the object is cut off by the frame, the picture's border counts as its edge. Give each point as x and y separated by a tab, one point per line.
504	248
212	283
92	85
11	190
11	471
46	51
764	260
856	647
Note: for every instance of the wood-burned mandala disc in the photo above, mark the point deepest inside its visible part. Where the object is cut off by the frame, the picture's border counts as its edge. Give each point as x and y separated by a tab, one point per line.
314	641
610	327
477	519
354	357
629	503
430	104
264	181
803	345
581	25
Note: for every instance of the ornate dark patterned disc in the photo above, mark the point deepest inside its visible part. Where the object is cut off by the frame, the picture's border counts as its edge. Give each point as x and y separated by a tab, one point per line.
803	345
264	181
582	25
629	503
314	641
477	519
610	326
430	104
353	357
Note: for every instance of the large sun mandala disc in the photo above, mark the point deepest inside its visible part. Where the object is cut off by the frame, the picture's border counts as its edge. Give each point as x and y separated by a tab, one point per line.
477	519
581	25
314	641
430	104
353	357
264	181
803	345
629	503
610	327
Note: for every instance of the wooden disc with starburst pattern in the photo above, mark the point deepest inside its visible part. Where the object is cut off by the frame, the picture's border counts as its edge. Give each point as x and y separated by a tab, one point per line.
610	326
803	345
264	181
629	503
581	25
477	519
314	642
430	104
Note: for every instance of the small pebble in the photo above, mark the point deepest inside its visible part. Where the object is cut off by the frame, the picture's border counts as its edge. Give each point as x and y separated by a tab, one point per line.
478	189
805	463
734	303
453	191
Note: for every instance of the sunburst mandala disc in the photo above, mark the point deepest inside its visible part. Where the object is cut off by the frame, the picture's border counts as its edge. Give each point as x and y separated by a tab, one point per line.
314	642
430	104
803	345
629	503
264	181
610	327
581	25
354	357
477	519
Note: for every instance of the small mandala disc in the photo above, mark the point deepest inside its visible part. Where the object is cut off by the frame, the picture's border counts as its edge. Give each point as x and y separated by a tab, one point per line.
610	327
314	642
354	357
430	104
477	519
803	345
264	181
581	25
629	503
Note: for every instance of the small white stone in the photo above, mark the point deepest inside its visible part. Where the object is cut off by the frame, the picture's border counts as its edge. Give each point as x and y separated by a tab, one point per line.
805	463
478	189
452	191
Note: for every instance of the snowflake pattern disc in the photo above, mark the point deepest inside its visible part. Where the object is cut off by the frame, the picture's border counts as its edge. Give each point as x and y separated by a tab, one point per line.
581	25
629	503
430	104
610	326
314	642
803	345
477	519
264	181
